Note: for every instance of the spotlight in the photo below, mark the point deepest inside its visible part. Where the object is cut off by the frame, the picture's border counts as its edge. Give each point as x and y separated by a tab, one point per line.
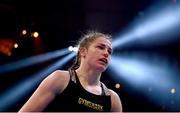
70	48
173	90
73	49
32	60
158	25
15	93
143	73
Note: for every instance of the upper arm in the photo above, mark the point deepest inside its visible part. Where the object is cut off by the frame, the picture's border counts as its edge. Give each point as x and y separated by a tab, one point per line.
116	105
46	92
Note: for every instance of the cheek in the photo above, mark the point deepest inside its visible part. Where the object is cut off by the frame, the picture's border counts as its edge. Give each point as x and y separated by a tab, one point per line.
93	56
95	52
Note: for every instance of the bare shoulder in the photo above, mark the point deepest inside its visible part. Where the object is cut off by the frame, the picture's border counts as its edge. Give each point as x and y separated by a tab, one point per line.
53	84
57	80
113	93
58	74
116	105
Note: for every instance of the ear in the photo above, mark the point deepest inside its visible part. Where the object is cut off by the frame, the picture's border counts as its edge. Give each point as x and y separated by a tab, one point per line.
82	51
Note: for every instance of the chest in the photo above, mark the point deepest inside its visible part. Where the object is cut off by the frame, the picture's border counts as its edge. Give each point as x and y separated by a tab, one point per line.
76	98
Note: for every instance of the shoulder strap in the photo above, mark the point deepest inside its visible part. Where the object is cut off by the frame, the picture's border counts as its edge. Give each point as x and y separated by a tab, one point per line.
76	77
105	90
72	75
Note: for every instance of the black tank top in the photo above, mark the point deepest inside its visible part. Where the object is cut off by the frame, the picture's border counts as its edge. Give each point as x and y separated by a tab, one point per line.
76	99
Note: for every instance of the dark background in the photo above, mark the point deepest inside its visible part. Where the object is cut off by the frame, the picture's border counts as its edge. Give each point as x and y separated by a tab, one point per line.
60	24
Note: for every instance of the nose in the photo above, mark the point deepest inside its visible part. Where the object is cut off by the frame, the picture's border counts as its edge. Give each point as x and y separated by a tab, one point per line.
106	53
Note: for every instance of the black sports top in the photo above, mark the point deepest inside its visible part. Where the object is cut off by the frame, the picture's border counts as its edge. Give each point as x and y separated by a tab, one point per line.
76	99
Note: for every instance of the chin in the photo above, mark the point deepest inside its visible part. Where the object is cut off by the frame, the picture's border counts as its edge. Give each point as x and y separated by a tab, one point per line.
101	68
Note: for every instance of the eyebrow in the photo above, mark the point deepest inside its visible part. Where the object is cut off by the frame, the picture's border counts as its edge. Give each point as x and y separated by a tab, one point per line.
106	46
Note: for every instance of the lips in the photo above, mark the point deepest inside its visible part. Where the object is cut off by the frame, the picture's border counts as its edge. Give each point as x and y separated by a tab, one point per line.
104	60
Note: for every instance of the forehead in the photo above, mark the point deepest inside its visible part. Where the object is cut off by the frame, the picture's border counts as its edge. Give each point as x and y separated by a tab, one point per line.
102	40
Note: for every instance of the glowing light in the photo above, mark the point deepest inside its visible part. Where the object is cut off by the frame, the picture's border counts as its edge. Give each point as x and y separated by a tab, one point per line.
140	72
117	86
157	26
24	32
35	34
32	60
73	49
70	48
15	45
173	90
14	94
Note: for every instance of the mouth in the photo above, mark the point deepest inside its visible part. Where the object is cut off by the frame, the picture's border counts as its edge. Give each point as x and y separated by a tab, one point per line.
103	60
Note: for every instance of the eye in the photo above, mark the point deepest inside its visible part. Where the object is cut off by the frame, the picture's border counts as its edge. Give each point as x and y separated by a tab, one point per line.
110	51
100	47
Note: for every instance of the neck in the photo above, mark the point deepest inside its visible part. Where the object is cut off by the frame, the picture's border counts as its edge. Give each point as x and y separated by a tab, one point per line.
88	76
